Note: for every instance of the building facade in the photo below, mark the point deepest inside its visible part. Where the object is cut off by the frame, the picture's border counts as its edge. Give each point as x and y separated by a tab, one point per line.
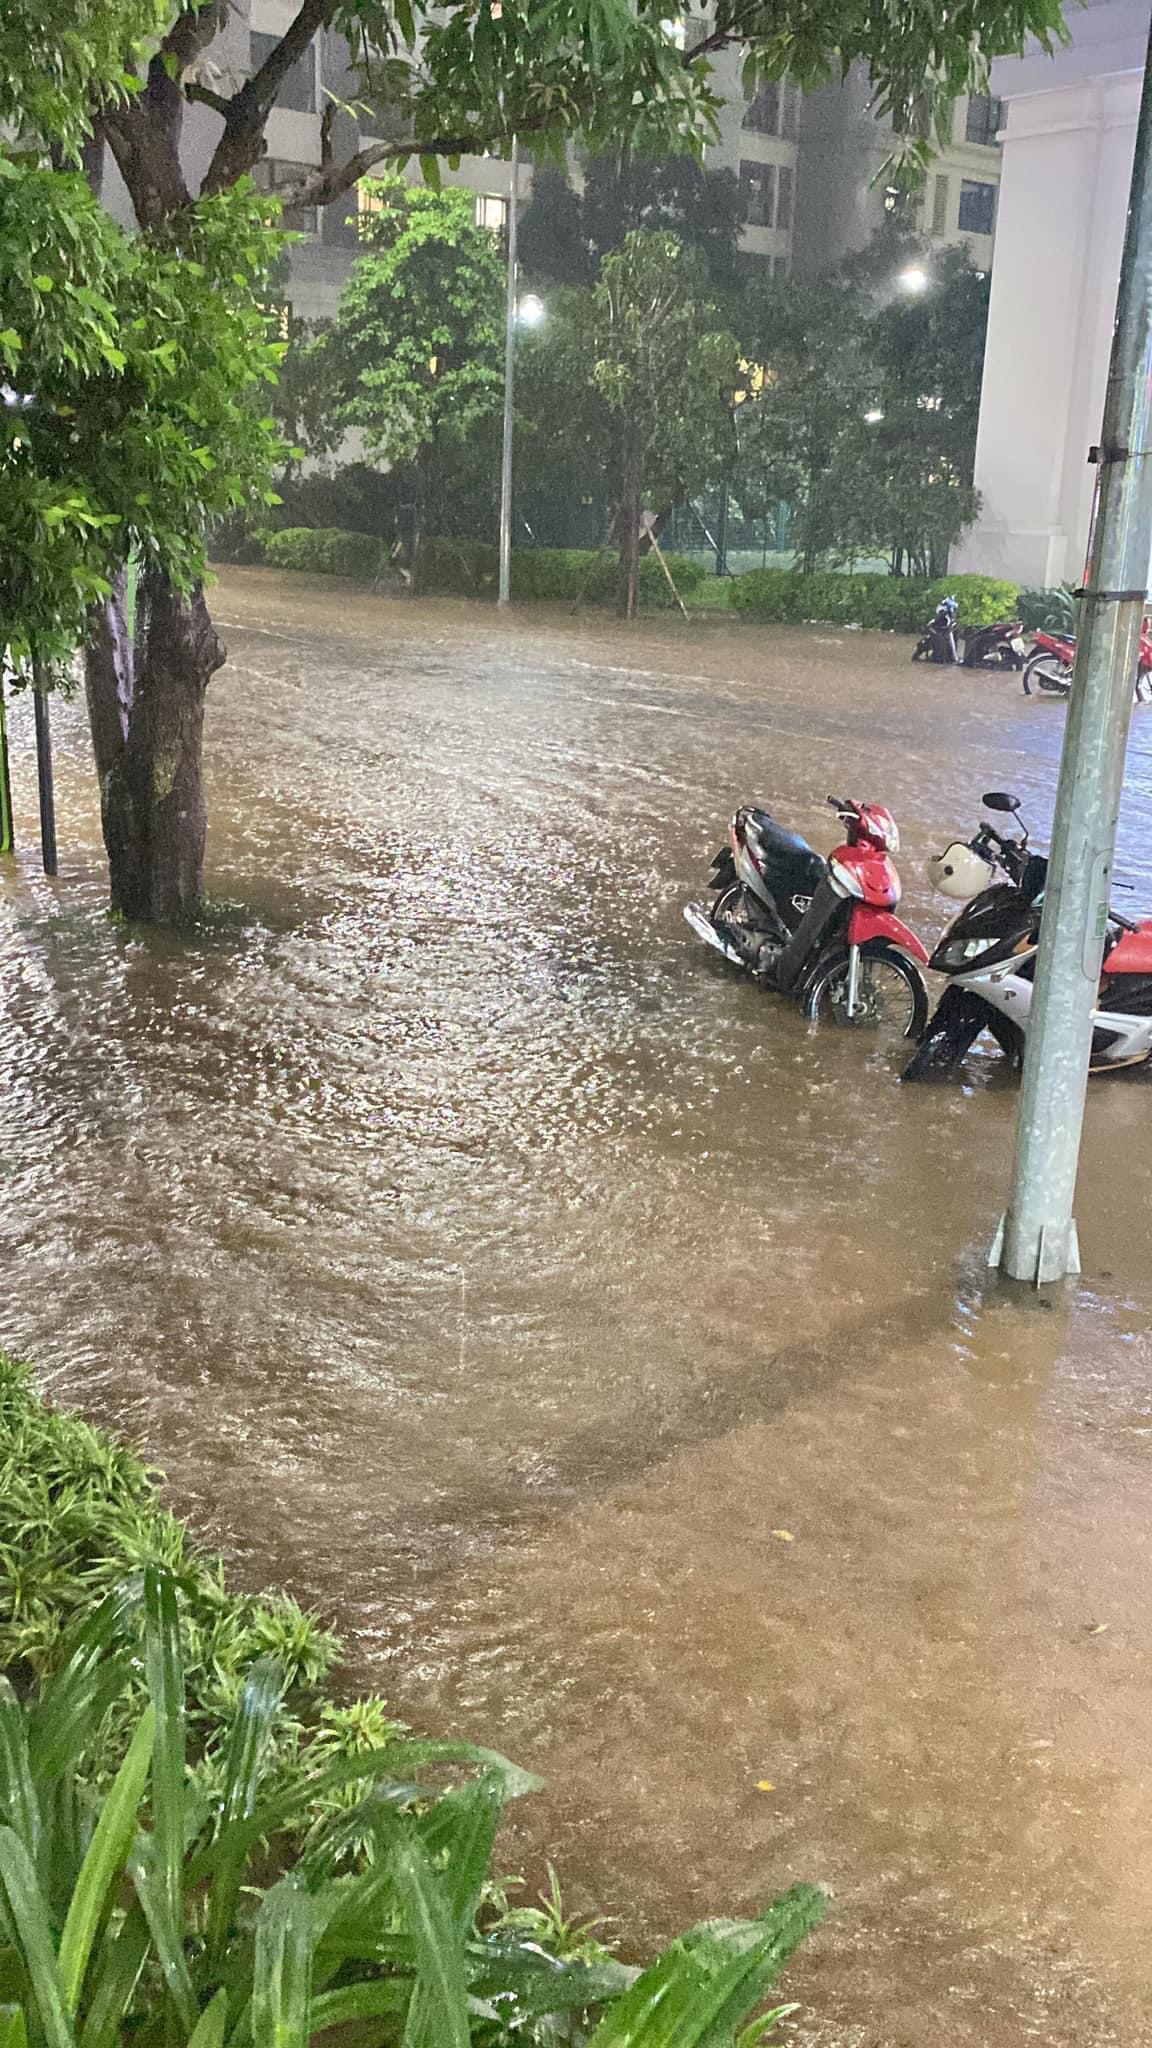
1067	160
760	141
843	196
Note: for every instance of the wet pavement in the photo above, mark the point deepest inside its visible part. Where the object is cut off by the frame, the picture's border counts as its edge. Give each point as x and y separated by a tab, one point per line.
609	1358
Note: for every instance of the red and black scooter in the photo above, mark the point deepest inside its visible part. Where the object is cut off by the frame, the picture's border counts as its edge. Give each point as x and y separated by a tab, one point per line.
822	931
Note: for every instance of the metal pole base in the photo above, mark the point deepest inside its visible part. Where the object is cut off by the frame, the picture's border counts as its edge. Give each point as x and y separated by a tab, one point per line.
1047	1268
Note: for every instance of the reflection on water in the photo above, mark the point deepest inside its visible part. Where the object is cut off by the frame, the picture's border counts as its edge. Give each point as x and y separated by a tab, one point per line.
483	1260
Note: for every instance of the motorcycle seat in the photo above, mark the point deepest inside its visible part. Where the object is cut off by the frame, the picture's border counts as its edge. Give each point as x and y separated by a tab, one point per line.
790	845
1132	954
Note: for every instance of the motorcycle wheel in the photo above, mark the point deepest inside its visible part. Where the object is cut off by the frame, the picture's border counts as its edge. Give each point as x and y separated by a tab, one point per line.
891	991
1048	673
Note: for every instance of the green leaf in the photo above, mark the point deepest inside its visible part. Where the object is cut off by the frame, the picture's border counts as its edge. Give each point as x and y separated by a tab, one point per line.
13	2032
106	1857
370	2001
438	2013
33	1928
211	2026
166	1929
72	1702
282	1974
115	1972
243	1763
164	1665
700	1989
18	1801
460	1832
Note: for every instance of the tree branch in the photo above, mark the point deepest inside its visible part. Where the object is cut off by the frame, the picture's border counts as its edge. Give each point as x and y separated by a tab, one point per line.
718	40
332	180
203	96
193	30
242	143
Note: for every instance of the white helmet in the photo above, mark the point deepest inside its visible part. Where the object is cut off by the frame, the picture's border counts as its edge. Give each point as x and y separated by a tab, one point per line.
959	871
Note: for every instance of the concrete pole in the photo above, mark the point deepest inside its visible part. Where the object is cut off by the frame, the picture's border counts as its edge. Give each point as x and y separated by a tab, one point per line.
505	587
1039	1236
6	839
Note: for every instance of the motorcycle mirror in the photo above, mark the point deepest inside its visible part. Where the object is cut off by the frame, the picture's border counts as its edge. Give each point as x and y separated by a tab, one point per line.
999	800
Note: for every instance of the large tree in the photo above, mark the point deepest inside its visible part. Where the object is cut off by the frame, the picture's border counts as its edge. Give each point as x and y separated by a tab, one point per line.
639	371
414	357
566	233
446	77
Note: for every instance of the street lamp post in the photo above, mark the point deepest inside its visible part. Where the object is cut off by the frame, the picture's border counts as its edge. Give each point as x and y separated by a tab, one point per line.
505	585
1037	1241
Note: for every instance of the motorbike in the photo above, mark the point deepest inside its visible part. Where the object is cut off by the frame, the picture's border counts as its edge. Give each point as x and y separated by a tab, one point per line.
1049	666
822	931
1001	646
988	954
938	641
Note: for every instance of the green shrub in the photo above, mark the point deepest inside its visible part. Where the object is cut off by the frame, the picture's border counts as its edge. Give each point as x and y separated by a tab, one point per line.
80	1516
151	1900
325	551
896	604
464	568
1049	611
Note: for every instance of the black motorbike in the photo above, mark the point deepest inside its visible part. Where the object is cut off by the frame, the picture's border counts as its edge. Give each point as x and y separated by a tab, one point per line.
1001	646
938	641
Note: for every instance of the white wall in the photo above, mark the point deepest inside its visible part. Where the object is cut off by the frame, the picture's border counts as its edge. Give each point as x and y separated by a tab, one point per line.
1067	161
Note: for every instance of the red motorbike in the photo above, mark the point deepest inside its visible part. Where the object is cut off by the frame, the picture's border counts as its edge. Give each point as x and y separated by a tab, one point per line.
822	931
1050	666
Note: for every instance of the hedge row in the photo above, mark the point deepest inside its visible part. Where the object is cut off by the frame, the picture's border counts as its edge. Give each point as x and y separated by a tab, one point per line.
896	604
550	575
326	551
469	568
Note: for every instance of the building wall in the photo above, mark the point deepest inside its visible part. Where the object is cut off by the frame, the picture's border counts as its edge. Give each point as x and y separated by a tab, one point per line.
759	141
1067	162
843	197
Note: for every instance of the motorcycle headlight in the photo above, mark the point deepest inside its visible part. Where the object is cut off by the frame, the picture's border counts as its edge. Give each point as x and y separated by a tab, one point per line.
959	951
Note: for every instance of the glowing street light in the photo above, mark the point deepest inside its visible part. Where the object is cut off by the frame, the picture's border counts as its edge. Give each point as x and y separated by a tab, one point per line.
914	279
530	310
873	418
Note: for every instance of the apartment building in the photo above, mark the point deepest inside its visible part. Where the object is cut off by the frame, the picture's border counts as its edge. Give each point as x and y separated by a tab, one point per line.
760	140
810	169
843	195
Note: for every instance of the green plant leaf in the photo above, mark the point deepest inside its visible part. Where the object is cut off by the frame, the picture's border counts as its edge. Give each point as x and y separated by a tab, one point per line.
282	1974
700	1989
164	1665
369	2001
210	2028
18	1802
461	1829
13	2031
438	2012
166	1930
115	1971
72	1701
106	1857
243	1765
33	1927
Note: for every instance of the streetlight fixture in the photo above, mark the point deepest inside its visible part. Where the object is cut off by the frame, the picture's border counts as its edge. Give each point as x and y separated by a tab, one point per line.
913	279
873	418
527	312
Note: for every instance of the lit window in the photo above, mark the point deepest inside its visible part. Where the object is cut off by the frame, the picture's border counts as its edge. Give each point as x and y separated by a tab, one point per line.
491	211
977	207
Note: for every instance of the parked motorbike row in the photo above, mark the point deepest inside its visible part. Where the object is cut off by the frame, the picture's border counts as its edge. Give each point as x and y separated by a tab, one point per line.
824	932
1047	666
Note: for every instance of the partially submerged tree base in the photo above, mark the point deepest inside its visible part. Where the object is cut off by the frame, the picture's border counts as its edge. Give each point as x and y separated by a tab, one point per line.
146	690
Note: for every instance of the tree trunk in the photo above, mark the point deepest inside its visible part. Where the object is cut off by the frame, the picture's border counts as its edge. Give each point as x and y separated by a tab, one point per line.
630	509
146	709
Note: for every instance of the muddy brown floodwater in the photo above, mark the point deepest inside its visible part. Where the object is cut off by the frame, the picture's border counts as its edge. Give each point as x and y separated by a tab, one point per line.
612	1361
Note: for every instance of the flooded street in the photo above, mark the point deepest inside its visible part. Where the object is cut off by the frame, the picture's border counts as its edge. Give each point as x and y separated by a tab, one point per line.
610	1359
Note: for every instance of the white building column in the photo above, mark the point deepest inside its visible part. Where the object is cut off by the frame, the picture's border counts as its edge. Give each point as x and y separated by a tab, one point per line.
1067	159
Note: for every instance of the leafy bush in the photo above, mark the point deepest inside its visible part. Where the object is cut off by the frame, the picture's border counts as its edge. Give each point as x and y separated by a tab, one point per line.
157	1918
325	551
1050	611
897	604
550	575
165	1881
79	1517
